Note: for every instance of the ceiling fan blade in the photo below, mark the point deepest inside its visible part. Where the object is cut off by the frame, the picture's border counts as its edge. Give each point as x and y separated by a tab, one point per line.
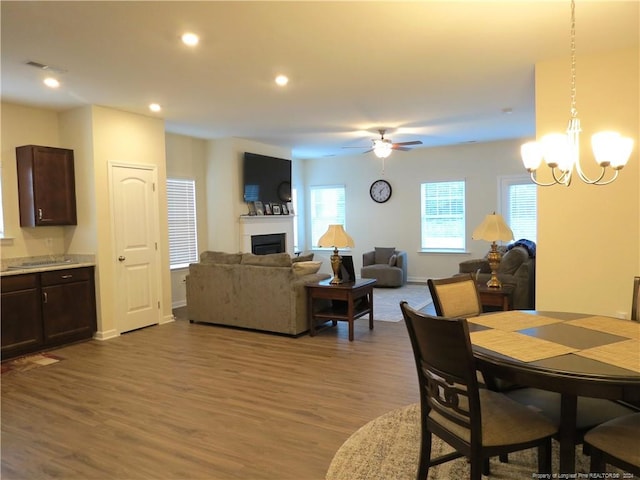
404	149
370	150
415	142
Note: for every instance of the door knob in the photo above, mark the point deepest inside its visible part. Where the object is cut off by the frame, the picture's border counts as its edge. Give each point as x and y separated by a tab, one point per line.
121	258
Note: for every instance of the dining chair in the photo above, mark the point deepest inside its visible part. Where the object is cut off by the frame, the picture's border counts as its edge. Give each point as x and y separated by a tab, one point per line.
478	423
616	443
635	300
455	296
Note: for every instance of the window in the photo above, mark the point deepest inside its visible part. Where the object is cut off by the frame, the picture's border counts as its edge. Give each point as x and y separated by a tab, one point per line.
518	201
327	208
294	204
183	238
443	216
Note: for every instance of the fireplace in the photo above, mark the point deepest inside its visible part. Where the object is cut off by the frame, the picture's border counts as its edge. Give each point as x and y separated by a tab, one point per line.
266	244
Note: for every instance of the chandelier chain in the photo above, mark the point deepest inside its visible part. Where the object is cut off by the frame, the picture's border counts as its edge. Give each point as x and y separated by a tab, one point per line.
574	111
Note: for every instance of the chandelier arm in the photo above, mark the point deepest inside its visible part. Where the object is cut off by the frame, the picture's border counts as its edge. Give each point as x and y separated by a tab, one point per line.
564	179
615	175
586	179
541	184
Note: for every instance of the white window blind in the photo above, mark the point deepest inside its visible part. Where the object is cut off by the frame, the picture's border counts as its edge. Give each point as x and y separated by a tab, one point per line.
183	238
519	206
443	215
327	207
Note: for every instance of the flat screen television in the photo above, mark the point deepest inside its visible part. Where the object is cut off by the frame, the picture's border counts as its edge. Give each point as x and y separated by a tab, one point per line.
266	179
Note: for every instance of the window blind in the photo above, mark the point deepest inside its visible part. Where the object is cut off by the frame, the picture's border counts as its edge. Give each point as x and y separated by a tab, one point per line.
443	215
183	238
327	208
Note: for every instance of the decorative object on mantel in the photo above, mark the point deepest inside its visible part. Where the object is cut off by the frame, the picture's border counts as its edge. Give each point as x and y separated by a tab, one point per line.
336	237
492	229
561	152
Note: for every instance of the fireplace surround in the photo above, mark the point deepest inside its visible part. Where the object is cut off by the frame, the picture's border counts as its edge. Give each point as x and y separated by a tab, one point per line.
250	226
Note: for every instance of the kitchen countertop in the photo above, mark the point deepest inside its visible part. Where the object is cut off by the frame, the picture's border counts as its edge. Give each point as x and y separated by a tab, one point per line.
20	266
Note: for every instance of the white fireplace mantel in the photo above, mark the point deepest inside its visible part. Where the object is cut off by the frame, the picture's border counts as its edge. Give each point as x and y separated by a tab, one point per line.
264	225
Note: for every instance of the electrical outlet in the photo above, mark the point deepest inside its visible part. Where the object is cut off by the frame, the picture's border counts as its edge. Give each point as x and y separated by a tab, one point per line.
622	315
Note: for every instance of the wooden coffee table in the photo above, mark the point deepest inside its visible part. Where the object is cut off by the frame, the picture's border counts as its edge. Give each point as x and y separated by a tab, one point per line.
349	301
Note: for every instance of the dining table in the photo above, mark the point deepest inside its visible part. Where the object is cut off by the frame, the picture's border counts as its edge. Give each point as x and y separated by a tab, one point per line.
573	354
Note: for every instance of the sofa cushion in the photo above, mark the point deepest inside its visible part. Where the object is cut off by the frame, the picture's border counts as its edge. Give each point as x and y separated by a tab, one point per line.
392	260
512	260
383	254
302	258
220	257
271	260
306	268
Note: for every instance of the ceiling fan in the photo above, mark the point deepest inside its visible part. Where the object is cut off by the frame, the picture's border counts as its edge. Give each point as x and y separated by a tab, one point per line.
382	147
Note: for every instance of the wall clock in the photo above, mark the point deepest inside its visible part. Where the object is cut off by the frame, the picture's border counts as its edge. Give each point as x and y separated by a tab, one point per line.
380	191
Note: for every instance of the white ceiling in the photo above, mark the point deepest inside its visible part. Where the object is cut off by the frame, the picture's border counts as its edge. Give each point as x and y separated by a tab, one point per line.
436	71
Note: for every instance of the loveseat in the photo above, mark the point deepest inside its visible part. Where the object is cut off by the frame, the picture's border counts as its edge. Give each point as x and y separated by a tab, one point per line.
517	268
261	292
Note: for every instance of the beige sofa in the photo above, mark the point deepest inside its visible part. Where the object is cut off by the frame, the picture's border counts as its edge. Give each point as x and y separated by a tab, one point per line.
261	292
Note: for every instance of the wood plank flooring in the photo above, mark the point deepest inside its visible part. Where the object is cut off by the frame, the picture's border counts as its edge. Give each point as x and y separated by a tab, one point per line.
194	401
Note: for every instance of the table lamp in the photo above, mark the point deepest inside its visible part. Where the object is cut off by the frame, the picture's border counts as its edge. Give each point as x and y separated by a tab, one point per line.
336	237
492	229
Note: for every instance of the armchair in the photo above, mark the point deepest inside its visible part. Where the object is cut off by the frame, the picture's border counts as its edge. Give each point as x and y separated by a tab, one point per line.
387	265
517	268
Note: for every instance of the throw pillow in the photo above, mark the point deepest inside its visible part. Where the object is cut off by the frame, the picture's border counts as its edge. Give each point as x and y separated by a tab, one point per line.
383	254
512	260
302	258
306	268
271	260
392	260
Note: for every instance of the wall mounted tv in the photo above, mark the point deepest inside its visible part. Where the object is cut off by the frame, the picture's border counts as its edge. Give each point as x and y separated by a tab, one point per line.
267	179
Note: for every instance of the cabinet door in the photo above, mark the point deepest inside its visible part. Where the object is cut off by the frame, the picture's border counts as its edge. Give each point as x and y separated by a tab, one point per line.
21	326
67	313
46	185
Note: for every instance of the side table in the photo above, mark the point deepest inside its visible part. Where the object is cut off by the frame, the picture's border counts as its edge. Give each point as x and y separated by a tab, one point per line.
348	301
496	297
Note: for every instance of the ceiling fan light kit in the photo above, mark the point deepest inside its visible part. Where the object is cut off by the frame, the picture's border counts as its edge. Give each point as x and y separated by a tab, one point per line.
382	147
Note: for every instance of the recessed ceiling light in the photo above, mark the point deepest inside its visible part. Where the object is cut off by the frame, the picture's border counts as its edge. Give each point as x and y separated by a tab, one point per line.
282	80
190	39
51	82
154	107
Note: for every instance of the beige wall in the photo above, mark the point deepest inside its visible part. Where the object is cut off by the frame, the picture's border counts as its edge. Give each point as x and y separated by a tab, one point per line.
98	137
589	236
23	125
186	159
396	223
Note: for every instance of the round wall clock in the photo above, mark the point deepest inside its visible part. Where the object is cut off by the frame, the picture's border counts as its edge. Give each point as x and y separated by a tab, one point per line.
380	191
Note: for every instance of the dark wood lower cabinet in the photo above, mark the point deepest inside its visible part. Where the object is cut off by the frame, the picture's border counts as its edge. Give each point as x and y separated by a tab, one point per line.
21	315
47	309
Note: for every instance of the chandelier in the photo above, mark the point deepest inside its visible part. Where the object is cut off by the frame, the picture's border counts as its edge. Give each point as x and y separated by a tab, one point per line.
561	152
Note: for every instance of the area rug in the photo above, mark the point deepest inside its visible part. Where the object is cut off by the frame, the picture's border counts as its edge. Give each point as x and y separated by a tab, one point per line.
29	362
386	301
388	448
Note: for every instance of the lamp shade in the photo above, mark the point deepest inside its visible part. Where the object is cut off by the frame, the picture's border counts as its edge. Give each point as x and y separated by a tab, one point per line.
335	236
492	229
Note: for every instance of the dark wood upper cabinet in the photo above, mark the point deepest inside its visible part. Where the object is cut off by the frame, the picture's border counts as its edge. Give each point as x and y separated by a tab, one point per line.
46	186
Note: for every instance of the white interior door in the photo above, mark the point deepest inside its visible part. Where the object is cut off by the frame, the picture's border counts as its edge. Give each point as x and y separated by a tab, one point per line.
136	255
